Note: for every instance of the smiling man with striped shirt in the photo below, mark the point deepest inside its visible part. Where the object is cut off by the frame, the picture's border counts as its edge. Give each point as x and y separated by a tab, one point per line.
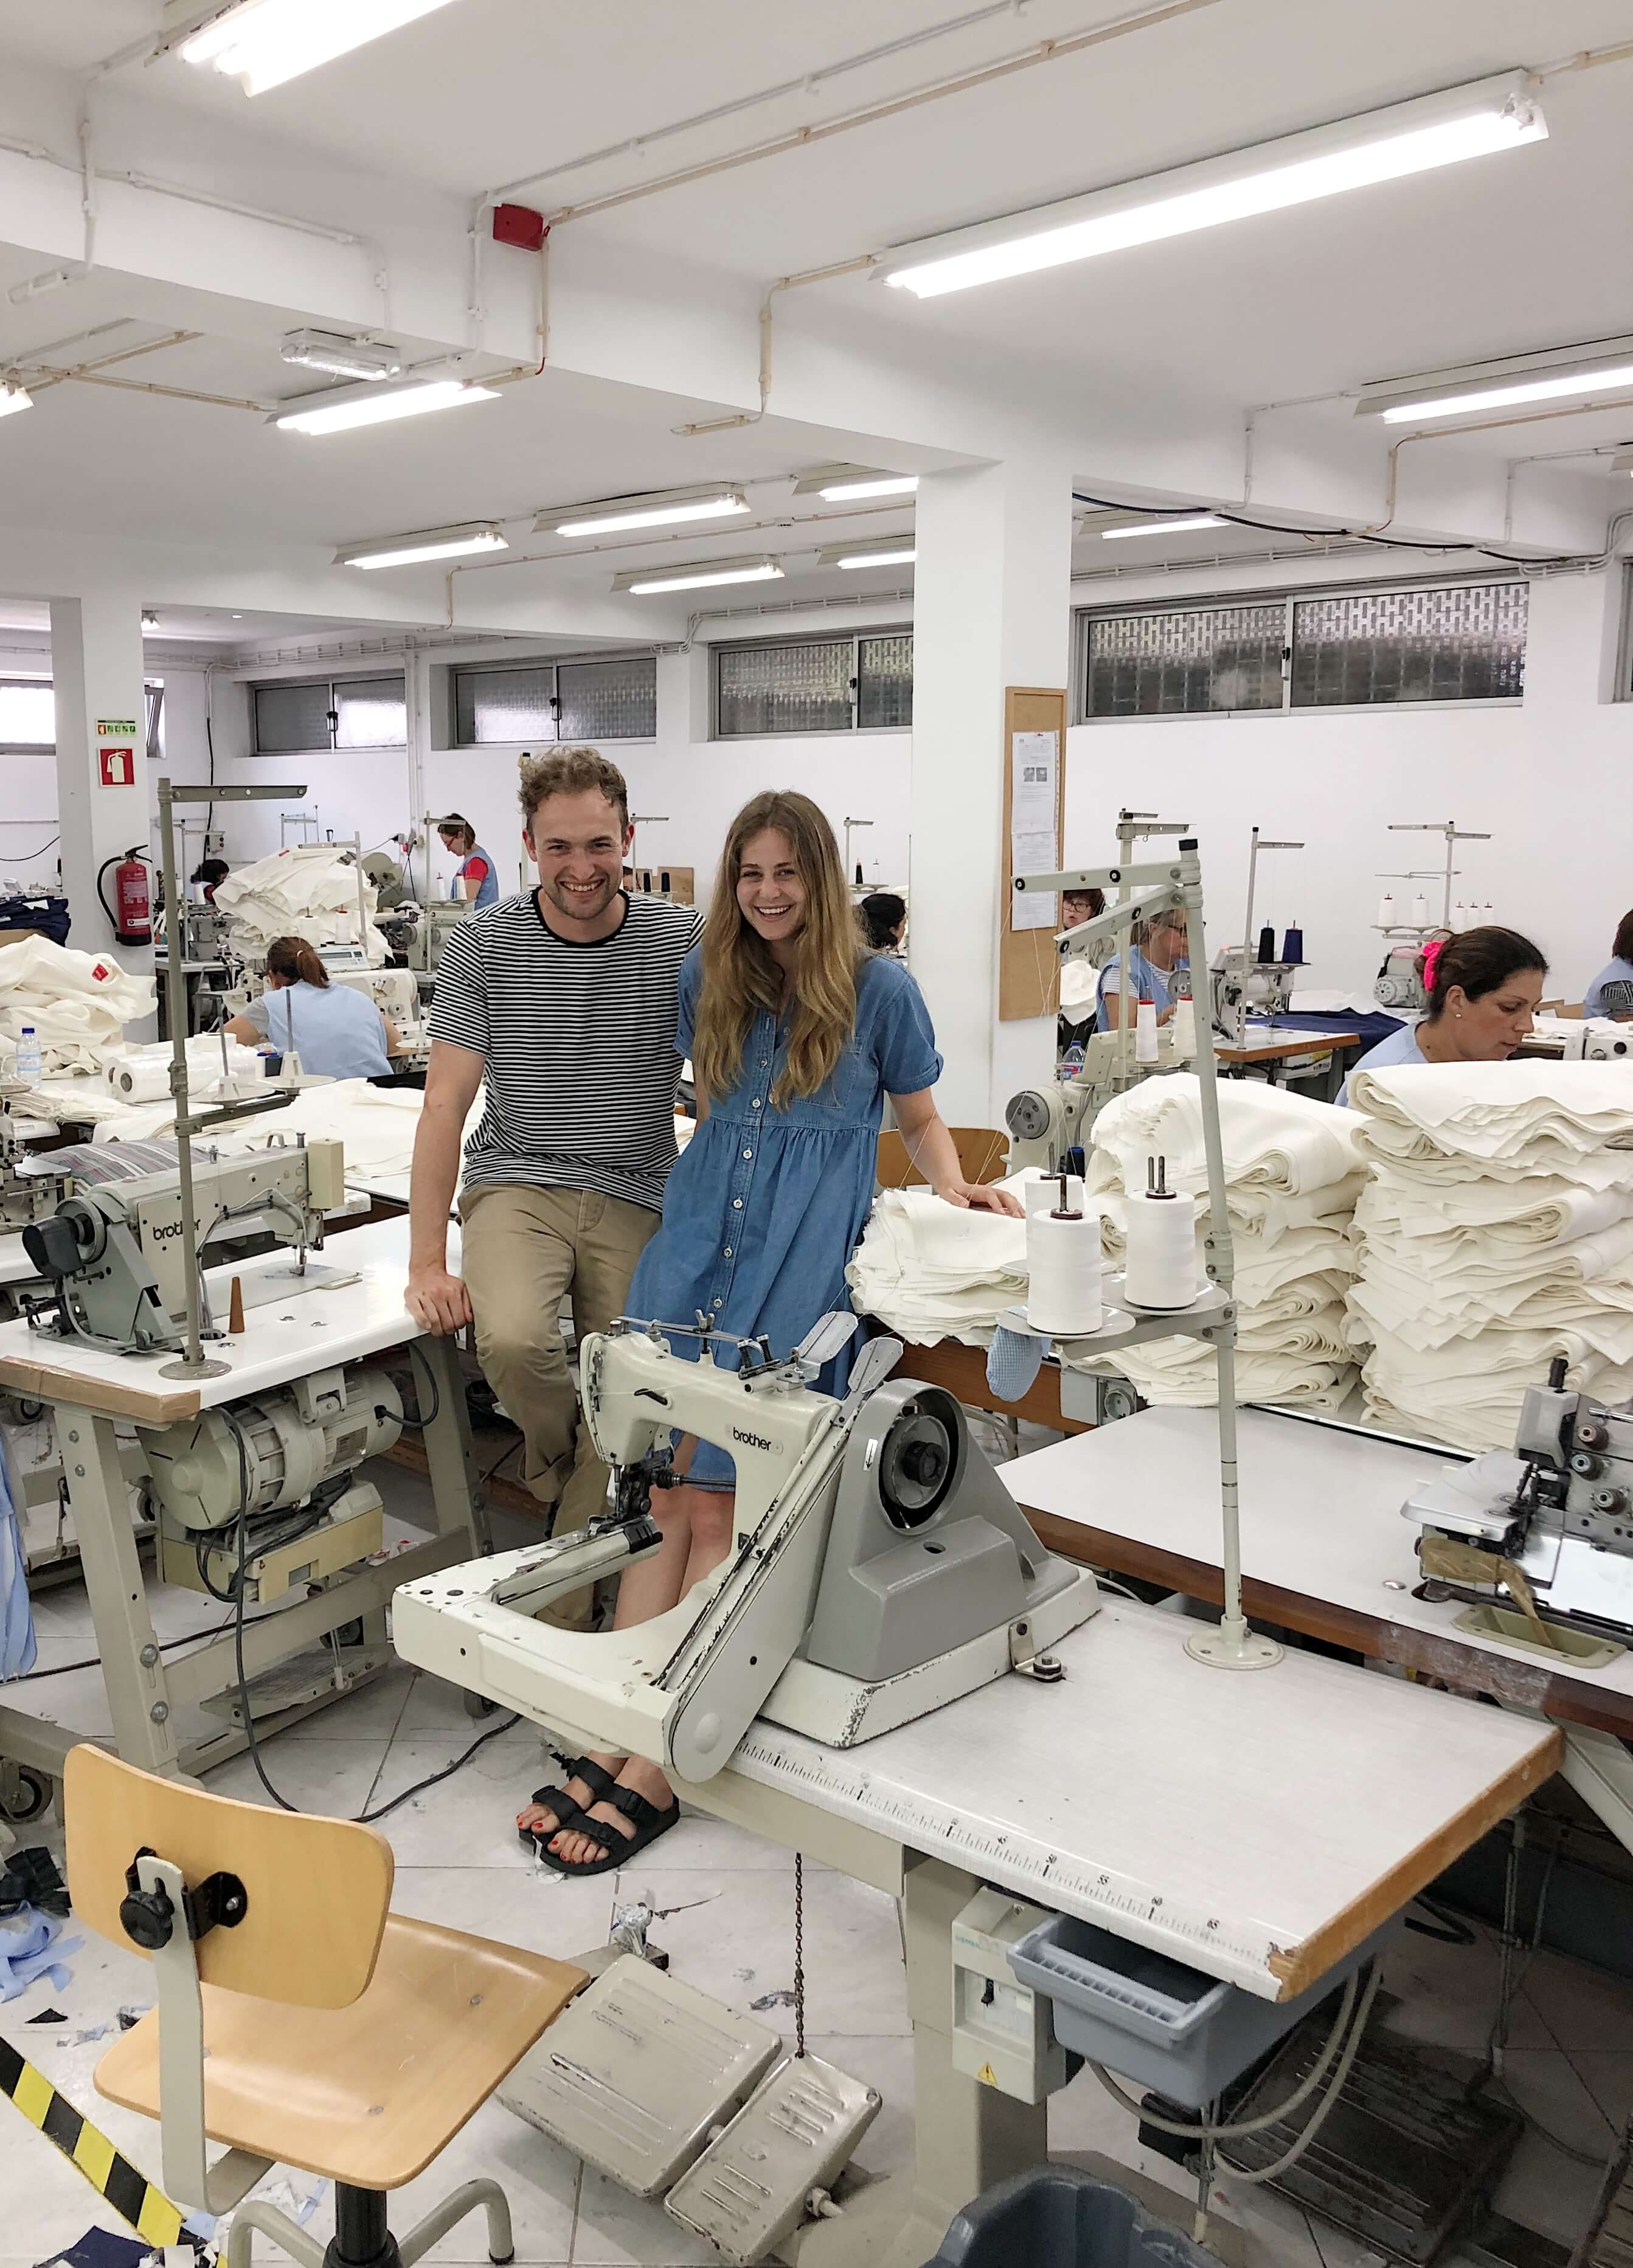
562	1003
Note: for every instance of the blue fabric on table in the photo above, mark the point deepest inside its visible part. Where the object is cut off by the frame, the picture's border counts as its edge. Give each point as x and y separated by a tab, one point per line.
764	1209
1013	1360
1401	1047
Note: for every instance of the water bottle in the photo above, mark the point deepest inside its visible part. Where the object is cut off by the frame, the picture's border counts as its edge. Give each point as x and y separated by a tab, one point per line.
28	1055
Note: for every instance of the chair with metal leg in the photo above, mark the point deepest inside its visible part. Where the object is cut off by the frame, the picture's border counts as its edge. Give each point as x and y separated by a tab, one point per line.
340	2037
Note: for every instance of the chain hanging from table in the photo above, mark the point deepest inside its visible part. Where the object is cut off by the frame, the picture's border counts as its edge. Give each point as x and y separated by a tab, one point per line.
799	1956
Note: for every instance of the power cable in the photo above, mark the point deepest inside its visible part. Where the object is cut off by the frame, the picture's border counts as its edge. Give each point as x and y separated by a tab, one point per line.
1362	535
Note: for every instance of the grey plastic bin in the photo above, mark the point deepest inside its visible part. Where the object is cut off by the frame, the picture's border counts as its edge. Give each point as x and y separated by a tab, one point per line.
1153	2019
1057	2217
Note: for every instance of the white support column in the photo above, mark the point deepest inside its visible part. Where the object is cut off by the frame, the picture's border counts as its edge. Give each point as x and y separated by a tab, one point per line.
96	668
991	598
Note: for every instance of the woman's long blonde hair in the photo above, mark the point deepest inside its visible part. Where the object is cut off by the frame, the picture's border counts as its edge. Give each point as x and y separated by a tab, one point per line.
740	976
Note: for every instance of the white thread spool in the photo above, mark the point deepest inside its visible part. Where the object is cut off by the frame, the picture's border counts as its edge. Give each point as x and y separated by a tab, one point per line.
1387	915
1159	1270
1146	1032
1041	1192
1182	1030
1420	912
1063	1271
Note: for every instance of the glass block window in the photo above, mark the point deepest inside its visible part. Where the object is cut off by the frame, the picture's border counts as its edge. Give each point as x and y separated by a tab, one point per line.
885	680
608	700
611	700
370	712
373	713
27	713
1462	642
801	687
1185	662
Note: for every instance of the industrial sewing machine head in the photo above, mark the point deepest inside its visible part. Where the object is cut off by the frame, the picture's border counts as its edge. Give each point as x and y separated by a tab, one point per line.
1244	987
1554	1519
879	1569
114	1250
24	1197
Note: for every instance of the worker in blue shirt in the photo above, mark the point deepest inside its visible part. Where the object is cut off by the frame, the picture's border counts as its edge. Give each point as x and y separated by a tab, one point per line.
337	1032
1611	992
1157	949
477	868
1482	987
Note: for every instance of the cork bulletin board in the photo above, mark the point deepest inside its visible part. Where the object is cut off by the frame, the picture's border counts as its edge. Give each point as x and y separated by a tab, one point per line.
1034	820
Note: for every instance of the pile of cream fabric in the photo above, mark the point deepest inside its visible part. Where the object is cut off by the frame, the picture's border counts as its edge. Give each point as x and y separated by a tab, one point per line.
930	1270
1293	1173
78	1004
309	890
1496	1232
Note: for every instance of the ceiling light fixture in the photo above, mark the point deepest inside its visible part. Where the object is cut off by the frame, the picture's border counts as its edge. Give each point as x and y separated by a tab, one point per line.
264	42
338	411
841	483
1180	527
341	356
1598	367
697	575
14	397
426	543
150	621
900	552
1354	153
715	503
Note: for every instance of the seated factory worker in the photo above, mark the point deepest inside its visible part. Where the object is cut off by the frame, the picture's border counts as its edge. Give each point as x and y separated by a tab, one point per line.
1483	989
337	1032
884	919
1611	992
1157	949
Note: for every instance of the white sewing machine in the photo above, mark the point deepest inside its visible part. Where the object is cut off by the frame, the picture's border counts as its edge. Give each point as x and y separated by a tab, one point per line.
881	1569
23	1197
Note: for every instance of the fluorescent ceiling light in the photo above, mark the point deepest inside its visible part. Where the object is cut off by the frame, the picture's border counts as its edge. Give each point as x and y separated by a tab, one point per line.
838	482
1382	145
715	503
264	42
13	398
901	553
1598	367
699	574
1165	526
341	356
427	543
337	412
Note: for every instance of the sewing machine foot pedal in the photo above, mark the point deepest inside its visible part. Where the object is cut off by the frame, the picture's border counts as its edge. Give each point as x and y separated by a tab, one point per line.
776	2161
638	2073
304	1681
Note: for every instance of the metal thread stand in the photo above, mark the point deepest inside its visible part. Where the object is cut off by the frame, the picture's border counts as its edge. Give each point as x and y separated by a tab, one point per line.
1147	889
1247	937
194	1363
1452	834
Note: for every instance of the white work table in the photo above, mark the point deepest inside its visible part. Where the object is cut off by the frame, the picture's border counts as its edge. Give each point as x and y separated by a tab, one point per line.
1325	1548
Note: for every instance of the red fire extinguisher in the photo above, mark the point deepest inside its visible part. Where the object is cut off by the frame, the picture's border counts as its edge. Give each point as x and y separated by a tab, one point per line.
132	911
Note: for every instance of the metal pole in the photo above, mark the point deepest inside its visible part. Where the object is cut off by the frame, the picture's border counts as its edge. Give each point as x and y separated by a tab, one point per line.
1233	1645
192	1364
1248	953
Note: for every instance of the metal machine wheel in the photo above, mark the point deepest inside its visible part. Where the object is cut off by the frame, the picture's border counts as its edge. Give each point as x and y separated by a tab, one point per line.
25	1793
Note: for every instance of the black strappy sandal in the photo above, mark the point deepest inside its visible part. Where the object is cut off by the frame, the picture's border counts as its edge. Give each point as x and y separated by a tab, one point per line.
602	1785
647	1820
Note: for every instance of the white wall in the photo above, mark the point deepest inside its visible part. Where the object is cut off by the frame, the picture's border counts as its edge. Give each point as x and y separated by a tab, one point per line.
1548	777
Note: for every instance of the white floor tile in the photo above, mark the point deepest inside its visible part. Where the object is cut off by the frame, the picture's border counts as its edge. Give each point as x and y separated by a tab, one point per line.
535	1910
1449	1994
1582	2007
471	1818
1542	2188
333	1777
1607	2074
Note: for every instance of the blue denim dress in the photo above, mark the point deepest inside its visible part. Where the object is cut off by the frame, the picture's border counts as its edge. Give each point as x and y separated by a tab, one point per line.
764	1209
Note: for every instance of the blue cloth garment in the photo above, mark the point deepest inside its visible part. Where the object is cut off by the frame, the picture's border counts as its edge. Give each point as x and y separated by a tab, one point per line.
32	1945
1594	1000
479	867
16	1620
1146	981
763	1211
337	1031
1400	1048
1013	1360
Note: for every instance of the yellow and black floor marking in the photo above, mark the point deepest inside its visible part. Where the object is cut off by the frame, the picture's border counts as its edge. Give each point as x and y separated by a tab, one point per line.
132	2195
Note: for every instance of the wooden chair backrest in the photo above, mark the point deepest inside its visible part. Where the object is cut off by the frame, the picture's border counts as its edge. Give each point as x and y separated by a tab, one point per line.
983	1155
319	1889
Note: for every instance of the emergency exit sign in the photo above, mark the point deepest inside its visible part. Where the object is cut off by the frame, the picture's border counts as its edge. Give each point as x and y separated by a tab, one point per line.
118	766
117	728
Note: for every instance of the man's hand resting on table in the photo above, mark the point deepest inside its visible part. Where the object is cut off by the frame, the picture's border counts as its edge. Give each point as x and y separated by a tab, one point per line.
439	1302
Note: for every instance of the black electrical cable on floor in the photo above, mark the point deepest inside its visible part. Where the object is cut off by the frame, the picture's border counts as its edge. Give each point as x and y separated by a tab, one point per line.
358	1819
418	1423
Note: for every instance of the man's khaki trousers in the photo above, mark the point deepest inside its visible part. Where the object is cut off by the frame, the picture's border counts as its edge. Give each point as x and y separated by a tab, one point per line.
523	1252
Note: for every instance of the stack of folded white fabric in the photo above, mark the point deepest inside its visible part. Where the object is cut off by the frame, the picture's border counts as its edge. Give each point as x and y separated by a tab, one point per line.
931	1270
310	890
1495	1233
1293	1173
78	1004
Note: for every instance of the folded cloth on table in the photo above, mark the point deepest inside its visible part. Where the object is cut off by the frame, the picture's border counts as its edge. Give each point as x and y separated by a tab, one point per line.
1499	1112
1483	1213
931	1271
1272	1140
78	1004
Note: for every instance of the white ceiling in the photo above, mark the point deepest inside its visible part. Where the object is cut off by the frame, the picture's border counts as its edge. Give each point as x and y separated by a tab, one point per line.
1171	339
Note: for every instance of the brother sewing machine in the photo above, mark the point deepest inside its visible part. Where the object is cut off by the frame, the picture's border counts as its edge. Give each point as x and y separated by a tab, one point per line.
114	1252
1551	1524
880	1570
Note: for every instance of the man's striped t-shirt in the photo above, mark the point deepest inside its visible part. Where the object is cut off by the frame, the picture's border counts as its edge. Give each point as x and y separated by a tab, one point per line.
579	1041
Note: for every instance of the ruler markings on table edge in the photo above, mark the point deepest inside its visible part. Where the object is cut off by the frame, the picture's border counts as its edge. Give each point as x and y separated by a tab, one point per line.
1134	1908
137	2201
